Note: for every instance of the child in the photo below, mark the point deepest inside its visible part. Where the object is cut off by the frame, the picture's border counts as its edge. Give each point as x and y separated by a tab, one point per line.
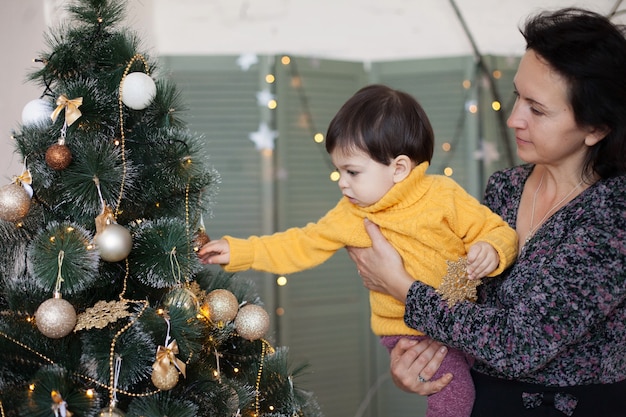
381	142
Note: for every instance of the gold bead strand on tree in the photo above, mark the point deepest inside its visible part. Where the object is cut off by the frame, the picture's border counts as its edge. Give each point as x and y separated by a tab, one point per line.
257	386
121	103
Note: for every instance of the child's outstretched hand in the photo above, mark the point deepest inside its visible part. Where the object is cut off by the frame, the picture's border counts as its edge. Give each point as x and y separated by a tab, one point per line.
482	259
215	252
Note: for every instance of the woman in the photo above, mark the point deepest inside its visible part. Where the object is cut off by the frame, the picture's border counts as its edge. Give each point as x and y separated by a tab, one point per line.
548	335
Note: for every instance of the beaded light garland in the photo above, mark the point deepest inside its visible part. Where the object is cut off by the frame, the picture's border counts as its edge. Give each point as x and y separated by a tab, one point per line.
122	133
257	400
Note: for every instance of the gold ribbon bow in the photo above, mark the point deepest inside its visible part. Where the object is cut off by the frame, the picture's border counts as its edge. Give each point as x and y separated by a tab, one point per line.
104	219
166	355
25	178
71	109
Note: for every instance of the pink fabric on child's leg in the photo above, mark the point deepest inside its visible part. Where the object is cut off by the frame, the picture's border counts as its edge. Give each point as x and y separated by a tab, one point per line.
457	398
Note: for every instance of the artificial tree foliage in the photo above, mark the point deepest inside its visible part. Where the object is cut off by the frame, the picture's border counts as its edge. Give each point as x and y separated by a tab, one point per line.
124	171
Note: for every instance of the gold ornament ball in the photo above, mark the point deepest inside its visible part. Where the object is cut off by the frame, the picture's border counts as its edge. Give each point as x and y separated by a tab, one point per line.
58	157
222	305
55	317
115	412
165	380
114	243
252	322
14	202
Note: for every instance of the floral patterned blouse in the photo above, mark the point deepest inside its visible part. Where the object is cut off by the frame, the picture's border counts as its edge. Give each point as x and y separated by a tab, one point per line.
557	317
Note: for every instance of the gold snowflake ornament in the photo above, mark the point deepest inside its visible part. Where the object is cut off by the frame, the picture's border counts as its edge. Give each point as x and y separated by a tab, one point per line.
456	286
102	314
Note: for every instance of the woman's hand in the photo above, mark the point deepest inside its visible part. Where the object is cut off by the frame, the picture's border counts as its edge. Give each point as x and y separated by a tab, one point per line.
380	266
414	363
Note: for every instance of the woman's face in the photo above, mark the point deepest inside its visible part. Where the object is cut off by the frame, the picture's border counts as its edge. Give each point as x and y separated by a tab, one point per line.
543	119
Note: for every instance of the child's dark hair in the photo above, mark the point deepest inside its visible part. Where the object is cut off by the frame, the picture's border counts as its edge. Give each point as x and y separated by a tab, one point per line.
384	123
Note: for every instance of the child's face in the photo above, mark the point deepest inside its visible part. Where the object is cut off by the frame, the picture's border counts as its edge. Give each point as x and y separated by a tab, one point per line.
363	180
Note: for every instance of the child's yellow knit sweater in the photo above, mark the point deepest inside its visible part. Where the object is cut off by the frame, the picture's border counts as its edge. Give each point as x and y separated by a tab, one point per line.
429	219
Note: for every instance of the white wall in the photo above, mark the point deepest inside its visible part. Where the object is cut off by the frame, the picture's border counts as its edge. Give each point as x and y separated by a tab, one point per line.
359	30
22	25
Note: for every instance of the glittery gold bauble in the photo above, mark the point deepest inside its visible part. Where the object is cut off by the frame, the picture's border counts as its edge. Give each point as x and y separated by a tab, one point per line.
165	380
14	202
200	240
114	243
252	322
58	157
114	412
222	306
55	317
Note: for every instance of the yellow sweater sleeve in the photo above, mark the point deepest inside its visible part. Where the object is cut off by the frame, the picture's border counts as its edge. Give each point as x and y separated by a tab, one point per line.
475	222
295	249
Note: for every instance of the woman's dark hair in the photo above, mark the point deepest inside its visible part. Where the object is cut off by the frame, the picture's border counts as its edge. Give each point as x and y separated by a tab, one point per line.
590	53
384	123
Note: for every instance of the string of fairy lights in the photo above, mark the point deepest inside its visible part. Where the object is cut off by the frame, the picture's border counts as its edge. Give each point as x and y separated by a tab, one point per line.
306	120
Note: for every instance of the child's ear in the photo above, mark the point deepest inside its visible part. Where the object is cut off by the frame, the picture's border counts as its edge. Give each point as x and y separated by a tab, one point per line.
402	168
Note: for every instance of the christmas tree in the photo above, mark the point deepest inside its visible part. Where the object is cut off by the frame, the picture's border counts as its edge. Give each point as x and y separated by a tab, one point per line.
105	309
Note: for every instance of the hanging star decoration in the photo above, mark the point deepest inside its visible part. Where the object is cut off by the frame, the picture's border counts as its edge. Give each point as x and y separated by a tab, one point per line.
264	97
487	152
245	61
264	137
456	286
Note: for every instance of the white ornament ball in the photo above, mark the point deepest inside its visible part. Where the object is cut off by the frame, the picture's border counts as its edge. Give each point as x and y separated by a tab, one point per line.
55	317
14	202
37	111
252	322
114	243
138	90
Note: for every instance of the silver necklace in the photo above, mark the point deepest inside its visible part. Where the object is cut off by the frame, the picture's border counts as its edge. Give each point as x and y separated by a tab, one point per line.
533	229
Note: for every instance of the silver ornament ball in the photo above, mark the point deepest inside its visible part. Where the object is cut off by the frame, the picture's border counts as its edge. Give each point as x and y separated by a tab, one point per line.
114	243
252	322
181	298
55	317
14	202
